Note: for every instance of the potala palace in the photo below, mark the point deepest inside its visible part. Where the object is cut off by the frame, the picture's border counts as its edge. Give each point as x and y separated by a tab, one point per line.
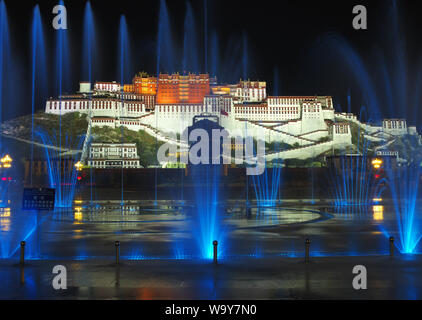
168	105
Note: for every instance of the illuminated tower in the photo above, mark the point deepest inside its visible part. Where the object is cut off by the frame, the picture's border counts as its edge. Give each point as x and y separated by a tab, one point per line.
177	89
144	84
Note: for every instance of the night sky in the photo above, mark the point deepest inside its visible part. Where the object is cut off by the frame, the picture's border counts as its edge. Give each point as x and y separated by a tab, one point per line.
296	46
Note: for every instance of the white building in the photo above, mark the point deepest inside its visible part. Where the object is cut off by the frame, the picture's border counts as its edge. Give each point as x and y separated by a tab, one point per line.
250	91
113	155
107	86
395	126
84	87
310	123
293	120
100	107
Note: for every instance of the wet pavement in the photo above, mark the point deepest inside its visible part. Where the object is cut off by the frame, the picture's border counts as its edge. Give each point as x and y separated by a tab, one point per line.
161	232
265	278
261	257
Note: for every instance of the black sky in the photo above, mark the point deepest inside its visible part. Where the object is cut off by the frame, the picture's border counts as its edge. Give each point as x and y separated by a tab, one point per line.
287	36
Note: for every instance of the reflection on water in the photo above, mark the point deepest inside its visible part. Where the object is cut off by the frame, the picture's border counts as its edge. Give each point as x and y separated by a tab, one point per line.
16	226
369	212
78	214
147	232
272	216
378	213
5	214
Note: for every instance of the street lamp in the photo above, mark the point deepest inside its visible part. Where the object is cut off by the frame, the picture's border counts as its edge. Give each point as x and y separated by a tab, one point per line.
377	163
6	161
79	166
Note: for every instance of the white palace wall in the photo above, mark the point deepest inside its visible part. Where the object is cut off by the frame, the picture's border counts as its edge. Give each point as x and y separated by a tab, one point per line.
292	120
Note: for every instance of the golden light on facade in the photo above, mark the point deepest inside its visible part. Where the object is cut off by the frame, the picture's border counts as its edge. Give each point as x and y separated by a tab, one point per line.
6	161
79	166
377	163
378	213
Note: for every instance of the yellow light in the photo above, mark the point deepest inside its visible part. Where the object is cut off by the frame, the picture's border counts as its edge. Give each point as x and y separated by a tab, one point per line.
6	162
78	213
6	159
78	201
378	213
5	213
79	166
377	199
377	163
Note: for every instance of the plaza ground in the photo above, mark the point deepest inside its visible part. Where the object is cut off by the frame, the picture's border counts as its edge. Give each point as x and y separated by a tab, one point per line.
263	256
277	278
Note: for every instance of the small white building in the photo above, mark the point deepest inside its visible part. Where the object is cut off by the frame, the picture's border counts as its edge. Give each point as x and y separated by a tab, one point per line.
250	91
395	126
107	86
388	153
342	134
113	155
84	87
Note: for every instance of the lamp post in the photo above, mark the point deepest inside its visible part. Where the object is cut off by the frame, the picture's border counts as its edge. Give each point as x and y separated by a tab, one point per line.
22	260
307	246
117	245
215	244
391	247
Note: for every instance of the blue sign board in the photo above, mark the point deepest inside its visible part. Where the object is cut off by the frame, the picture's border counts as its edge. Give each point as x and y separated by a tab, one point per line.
38	199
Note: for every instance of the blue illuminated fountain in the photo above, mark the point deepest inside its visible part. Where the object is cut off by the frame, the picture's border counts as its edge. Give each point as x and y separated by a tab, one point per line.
395	92
89	52
389	90
39	74
89	44
62	173
165	47
190	46
403	184
4	61
206	36
62	74
207	220
164	60
125	68
351	179
62	54
4	48
22	229
124	74
267	186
